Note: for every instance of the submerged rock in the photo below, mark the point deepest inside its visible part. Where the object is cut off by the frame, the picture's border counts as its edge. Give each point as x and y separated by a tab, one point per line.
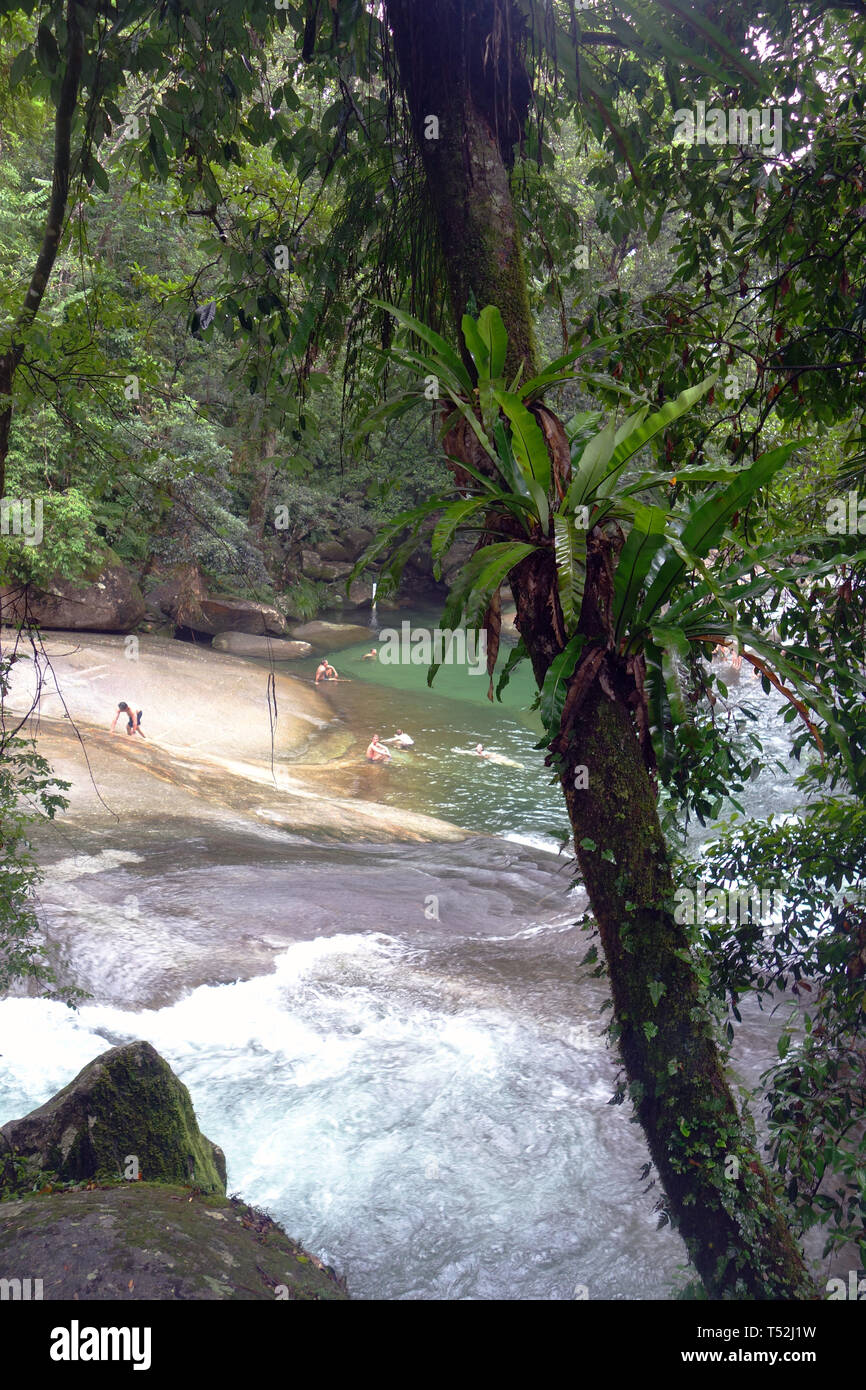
331	637
273	648
125	1113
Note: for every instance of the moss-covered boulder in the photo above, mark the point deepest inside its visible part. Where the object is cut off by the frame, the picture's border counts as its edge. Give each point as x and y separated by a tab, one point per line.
131	1241
126	1115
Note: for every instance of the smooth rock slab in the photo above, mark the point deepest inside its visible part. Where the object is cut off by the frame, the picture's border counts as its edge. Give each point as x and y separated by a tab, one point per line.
247	644
155	1241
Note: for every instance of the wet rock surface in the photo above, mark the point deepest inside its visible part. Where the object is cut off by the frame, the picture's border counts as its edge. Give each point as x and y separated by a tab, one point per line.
139	1241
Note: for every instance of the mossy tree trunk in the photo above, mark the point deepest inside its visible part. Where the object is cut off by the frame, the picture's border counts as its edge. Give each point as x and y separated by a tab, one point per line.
460	63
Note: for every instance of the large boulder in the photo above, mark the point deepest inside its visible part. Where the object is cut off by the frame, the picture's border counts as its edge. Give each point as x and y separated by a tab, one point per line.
110	602
333	550
360	594
271	648
179	596
241	615
331	637
166	1231
314	567
183	597
126	1104
355	539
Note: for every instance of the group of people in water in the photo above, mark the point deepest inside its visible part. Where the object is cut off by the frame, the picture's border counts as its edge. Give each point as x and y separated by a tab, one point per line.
377	749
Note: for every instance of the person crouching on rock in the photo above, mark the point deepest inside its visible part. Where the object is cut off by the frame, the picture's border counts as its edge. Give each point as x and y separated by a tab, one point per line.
376	752
133	721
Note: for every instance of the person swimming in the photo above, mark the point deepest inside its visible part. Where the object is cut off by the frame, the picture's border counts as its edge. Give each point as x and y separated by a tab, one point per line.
325	671
133	720
377	752
480	752
371	655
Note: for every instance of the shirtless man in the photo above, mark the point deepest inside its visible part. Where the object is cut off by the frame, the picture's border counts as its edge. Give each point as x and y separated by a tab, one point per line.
133	720
370	655
480	752
325	671
377	752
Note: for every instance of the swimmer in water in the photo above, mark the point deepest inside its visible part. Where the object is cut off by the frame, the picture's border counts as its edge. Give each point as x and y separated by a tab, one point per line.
371	655
402	740
325	671
480	751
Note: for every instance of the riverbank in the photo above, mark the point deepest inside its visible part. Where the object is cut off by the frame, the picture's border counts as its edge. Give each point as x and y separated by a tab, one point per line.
224	739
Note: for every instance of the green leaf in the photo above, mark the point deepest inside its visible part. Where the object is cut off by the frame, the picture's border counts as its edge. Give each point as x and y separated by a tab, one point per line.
517	655
570	543
478	349
492	331
707	523
553	691
432	339
483	573
443	531
593	461
643	431
527	440
644	539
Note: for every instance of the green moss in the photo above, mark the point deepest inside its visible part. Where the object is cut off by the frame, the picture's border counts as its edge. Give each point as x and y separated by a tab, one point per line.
125	1114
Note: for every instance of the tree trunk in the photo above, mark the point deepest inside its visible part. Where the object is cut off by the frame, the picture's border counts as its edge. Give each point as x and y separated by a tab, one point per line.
459	60
64	118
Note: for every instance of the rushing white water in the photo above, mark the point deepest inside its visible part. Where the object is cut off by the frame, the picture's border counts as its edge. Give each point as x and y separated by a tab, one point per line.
394	1045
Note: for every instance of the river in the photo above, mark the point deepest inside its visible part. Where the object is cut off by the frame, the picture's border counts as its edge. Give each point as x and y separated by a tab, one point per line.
394	1044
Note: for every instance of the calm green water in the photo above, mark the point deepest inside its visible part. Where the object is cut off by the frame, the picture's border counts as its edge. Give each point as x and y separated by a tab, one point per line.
440	774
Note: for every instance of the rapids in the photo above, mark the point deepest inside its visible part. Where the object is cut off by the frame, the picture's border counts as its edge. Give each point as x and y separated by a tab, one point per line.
394	1044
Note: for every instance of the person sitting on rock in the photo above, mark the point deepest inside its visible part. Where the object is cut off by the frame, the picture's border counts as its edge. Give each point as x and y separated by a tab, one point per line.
133	720
377	752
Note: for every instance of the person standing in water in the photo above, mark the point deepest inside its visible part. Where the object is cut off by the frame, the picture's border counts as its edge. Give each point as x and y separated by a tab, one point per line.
133	720
377	752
